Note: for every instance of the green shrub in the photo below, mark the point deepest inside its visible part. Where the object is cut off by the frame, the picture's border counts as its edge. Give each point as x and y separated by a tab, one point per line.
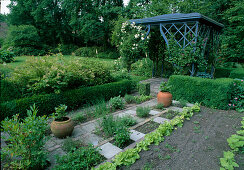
82	158
70	145
142	111
142	67
72	98
237	73
48	75
127	121
26	142
159	106
237	96
6	56
86	52
129	99
144	88
67	49
24	40
222	72
122	136
108	54
108	124
208	92
9	91
121	74
142	98
117	103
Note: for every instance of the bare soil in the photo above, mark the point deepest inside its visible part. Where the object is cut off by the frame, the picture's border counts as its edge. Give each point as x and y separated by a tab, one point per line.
147	127
197	145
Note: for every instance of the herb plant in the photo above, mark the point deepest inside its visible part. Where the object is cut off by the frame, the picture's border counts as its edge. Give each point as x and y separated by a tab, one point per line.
142	111
117	103
60	112
122	136
164	87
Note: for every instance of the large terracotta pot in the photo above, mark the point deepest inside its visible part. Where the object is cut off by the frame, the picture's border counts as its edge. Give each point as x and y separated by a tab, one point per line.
165	98
64	128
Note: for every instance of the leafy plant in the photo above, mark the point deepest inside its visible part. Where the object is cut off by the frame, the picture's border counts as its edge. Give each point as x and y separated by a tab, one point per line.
109	125
60	112
236	141
122	136
159	106
129	99
144	88
142	98
6	56
126	158
117	103
142	111
127	121
82	158
164	87
80	117
228	162
26	141
183	102
237	96
70	145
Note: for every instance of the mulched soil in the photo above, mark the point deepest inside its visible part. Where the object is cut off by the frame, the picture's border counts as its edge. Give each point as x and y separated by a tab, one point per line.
169	114
147	127
197	145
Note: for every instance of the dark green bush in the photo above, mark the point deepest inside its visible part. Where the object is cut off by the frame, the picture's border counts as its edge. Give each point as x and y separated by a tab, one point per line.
86	52
144	88
237	73
108	54
222	72
9	91
208	92
6	56
67	49
72	98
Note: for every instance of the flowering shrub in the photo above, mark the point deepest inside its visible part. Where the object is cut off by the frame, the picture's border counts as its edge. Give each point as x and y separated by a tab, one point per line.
47	74
237	99
130	39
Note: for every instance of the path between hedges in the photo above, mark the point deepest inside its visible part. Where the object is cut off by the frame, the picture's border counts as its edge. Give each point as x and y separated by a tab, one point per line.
85	132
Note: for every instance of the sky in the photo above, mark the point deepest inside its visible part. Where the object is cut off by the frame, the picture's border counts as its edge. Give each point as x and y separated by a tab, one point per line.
5	10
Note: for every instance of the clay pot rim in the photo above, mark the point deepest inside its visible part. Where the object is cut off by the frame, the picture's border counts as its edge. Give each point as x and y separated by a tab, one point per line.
63	122
164	92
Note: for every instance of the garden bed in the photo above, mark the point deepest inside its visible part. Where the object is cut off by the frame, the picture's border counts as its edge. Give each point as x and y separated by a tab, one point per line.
147	127
191	148
170	114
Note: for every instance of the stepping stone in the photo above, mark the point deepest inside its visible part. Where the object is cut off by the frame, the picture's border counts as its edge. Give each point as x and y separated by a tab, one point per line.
135	135
189	105
109	150
177	109
153	112
160	120
91	138
89	127
130	112
79	131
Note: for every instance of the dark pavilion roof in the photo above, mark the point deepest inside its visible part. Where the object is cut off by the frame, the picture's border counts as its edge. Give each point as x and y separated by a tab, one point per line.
178	17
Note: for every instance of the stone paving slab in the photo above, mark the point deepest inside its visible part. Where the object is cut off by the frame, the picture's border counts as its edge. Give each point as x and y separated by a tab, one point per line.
130	112
91	138
154	112
79	131
109	150
90	127
177	109
52	156
135	135
160	120
189	105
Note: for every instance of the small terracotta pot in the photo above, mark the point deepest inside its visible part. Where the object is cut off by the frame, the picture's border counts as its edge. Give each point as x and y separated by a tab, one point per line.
61	129
165	98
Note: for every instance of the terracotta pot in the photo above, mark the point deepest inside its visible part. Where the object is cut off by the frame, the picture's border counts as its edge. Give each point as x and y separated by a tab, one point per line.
64	128
165	98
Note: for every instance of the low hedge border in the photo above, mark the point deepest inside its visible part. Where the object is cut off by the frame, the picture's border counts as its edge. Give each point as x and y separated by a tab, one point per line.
237	73
129	156
215	93
236	143
72	98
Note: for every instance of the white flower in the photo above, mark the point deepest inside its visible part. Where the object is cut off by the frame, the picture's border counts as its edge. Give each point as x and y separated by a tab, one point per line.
142	38
137	36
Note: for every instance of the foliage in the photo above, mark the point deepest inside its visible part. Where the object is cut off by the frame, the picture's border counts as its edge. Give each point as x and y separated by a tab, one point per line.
159	106
144	88
70	145
129	99
26	141
67	49
72	98
228	162
117	103
9	91
142	98
129	39
183	102
121	74
86	52
122	136
60	112
208	92
182	58
237	96
47	75
236	142
127	121
24	40
142	111
6	56
221	72
164	87
82	158
107	54
237	73
142	67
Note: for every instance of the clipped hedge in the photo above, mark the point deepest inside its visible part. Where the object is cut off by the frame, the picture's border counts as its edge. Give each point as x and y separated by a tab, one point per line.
72	98
212	93
221	72
9	91
237	73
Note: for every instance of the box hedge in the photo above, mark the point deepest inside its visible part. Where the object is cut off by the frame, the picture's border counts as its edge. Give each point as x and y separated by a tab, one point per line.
212	93
72	98
237	73
144	88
